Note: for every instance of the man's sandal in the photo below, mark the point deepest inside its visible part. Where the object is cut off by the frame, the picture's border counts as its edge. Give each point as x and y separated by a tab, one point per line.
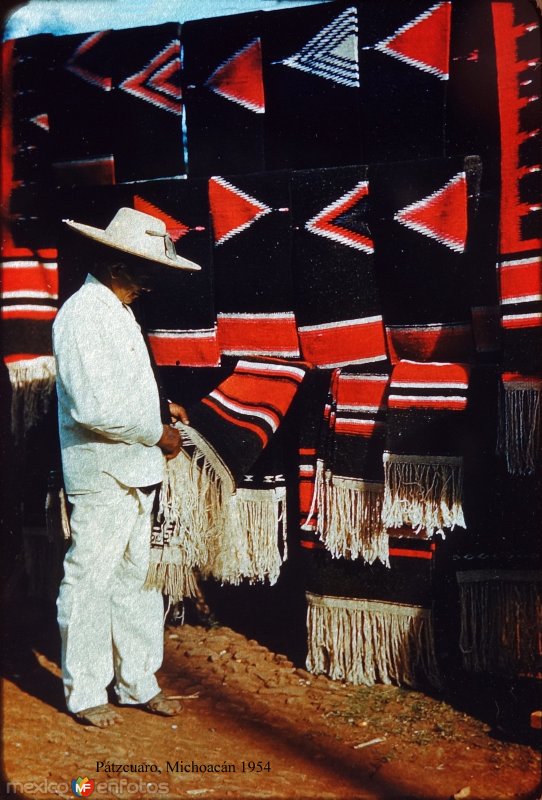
98	716
161	705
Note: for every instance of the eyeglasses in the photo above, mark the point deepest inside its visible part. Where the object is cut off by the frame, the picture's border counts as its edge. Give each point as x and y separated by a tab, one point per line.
169	247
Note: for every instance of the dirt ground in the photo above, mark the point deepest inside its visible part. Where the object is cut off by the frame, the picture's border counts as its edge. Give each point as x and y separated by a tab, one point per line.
255	725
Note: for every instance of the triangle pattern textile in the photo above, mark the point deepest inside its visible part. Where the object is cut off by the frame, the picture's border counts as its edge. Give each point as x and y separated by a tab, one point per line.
424	42
340	222
76	64
311	77
223	93
146	72
155	81
333	53
175	228
233	209
239	79
422	224
442	215
252	263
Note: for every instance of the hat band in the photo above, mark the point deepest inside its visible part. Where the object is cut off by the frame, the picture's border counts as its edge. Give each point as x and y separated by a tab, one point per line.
169	247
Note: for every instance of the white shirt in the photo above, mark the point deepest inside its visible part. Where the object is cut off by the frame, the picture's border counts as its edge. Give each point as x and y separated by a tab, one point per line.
108	403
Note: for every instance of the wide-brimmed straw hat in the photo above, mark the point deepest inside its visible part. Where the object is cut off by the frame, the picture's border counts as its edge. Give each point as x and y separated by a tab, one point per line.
138	234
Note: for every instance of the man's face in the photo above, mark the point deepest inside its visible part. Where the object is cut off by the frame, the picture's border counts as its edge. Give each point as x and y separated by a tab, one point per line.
129	283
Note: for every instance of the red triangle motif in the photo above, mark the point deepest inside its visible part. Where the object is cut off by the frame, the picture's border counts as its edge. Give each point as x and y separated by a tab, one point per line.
41	120
153	84
325	222
239	78
441	215
232	210
102	81
424	42
175	228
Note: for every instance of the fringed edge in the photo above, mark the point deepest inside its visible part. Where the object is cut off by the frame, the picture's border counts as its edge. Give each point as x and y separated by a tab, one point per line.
190	502
501	621
424	492
247	545
350	519
32	383
519	436
368	641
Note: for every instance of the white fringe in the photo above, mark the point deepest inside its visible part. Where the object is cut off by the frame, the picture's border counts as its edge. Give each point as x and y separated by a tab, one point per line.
424	492
32	382
519	437
247	545
368	641
501	621
227	534
350	518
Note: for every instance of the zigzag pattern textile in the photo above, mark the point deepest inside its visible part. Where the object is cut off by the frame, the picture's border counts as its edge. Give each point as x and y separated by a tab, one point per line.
252	251
29	256
218	489
349	478
518	54
420	220
224	95
311	78
371	624
123	91
337	303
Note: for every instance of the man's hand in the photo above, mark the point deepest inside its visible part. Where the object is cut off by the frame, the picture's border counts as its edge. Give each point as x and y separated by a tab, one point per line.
178	413
170	442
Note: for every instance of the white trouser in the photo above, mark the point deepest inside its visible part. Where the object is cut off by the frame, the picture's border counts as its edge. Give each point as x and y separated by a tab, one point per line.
110	626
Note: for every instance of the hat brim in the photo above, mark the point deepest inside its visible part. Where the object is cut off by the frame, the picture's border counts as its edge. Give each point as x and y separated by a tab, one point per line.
101	236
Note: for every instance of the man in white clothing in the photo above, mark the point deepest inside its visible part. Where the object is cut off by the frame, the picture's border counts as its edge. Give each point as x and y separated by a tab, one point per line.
113	445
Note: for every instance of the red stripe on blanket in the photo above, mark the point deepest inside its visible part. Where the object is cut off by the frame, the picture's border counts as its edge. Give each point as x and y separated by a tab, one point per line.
362	392
357	427
411	553
25	278
184	348
279	394
441	403
258	334
515	321
28	312
442	374
340	343
521	280
241	423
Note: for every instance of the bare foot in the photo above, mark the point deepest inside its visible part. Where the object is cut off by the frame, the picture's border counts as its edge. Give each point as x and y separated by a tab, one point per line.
98	716
162	705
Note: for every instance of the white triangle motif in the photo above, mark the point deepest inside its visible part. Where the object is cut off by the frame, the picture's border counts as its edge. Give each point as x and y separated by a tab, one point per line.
333	52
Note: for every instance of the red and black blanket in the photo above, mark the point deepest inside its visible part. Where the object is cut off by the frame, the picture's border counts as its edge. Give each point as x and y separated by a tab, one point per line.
223	93
252	263
337	302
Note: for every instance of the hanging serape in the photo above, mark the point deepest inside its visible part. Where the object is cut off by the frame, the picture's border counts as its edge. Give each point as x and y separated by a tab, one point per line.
147	104
224	94
349	484
252	251
423	461
420	224
29	256
404	61
311	79
472	126
518	53
337	304
369	624
206	491
179	314
81	115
